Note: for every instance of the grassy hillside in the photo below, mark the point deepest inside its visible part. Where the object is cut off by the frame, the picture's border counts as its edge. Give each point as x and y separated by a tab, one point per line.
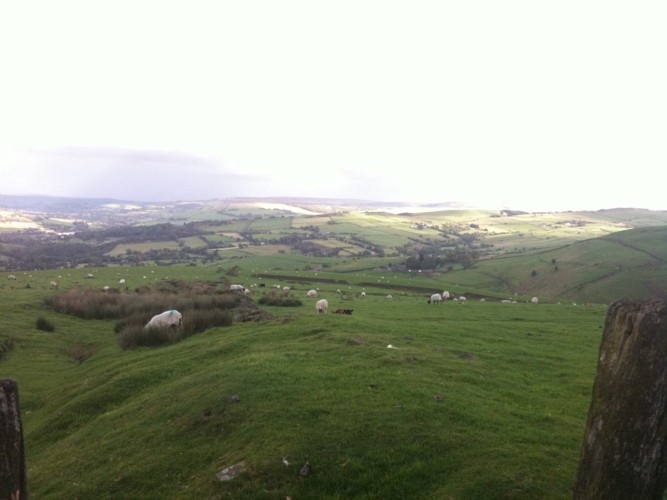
557	256
474	400
629	264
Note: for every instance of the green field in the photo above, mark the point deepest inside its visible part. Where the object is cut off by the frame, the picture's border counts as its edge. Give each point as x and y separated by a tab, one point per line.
476	400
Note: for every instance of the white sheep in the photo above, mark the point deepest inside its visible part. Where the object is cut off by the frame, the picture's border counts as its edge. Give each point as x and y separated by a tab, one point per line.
534	300
236	288
106	288
363	294
122	281
166	319
436	297
462	299
311	293
321	306
446	295
11	277
53	284
389	297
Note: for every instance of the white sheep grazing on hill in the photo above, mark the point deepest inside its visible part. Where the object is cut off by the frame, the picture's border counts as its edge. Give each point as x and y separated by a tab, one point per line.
53	284
436	297
236	288
321	306
446	295
462	299
11	277
121	282
166	319
389	297
311	293
534	300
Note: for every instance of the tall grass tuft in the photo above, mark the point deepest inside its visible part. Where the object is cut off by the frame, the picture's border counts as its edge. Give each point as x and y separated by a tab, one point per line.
202	307
133	333
6	345
273	299
44	324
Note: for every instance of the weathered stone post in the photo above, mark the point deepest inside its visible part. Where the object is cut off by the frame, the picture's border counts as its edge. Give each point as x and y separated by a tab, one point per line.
13	482
623	454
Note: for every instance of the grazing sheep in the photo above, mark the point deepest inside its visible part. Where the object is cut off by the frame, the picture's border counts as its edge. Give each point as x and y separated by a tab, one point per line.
363	294
446	295
53	284
11	277
389	297
534	300
236	288
121	282
436	297
89	276
321	306
172	319
344	311
106	288
311	293
462	299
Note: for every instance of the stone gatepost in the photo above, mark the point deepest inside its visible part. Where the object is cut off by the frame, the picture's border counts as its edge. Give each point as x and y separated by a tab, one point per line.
623	454
13	482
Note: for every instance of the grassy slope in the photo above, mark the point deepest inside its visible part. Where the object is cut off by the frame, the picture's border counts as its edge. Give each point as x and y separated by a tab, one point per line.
624	264
159	423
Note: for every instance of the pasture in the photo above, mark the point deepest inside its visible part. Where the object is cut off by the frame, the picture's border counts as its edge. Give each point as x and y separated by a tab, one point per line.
475	400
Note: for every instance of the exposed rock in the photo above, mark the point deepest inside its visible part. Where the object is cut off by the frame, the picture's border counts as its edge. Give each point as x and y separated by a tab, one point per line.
229	473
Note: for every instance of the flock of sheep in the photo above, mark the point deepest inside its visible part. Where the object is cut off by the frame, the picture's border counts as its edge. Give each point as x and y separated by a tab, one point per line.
174	319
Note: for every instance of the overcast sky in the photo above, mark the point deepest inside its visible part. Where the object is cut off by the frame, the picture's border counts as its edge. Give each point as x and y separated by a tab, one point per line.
531	105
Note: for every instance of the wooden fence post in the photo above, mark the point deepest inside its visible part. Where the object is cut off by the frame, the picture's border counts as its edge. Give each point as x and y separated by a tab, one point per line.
13	482
623	454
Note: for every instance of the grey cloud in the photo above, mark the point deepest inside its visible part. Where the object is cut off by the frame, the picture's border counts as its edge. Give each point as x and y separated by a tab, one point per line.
128	174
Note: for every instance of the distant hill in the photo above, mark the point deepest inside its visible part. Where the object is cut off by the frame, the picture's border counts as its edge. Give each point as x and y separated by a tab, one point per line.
631	263
580	256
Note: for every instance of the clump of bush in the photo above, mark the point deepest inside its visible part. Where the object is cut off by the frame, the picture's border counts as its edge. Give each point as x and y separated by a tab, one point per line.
202	305
132	332
274	299
79	352
44	324
98	304
6	345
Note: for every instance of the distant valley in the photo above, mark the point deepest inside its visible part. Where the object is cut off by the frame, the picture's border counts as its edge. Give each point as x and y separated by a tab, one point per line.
593	256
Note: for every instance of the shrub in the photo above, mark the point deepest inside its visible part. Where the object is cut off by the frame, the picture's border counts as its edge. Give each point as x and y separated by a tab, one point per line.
202	306
132	333
44	324
138	336
271	298
79	352
6	345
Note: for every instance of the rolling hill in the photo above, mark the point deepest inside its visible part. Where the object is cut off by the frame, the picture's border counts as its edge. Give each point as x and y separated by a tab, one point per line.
576	256
402	399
